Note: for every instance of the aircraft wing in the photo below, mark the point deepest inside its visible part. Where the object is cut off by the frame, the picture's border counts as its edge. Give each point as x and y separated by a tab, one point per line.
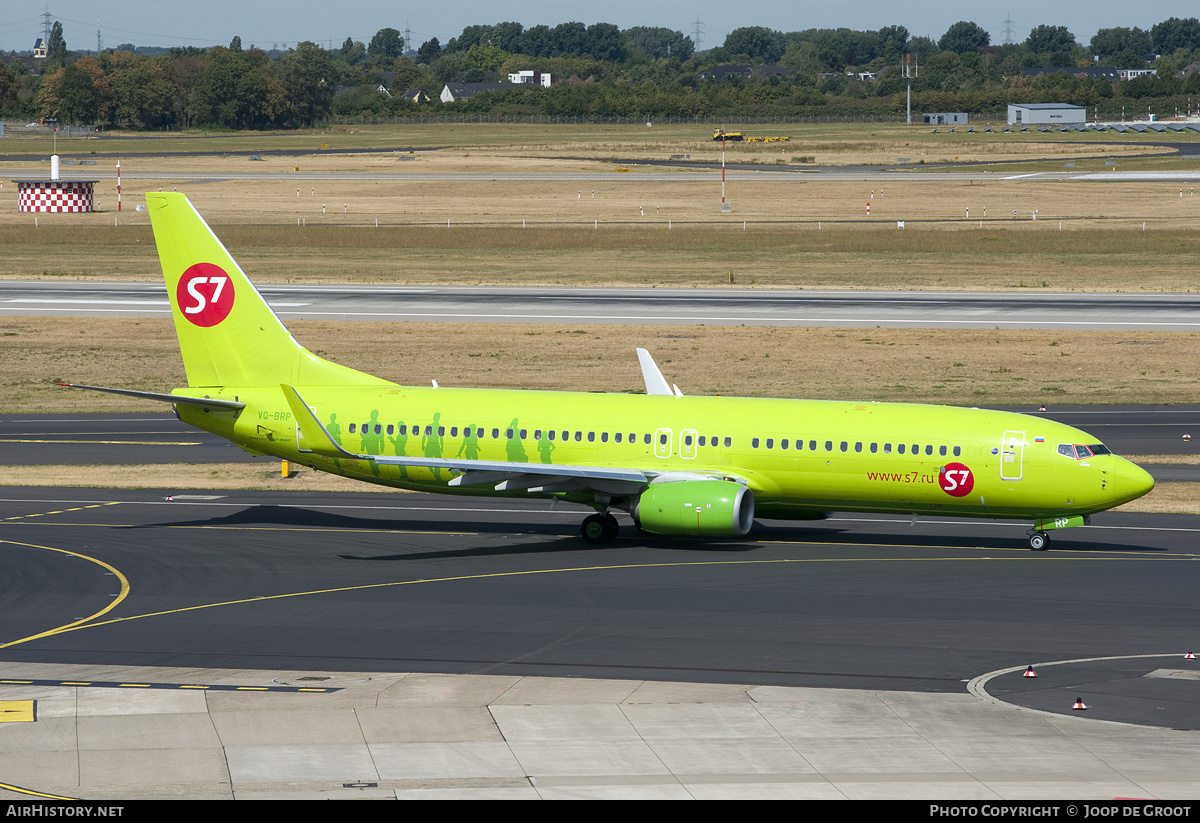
503	475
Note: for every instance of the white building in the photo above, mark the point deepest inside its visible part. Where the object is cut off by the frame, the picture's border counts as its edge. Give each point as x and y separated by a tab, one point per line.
533	78
1037	114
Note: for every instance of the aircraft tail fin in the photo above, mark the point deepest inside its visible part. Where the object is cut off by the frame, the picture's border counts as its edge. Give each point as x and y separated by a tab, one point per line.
228	335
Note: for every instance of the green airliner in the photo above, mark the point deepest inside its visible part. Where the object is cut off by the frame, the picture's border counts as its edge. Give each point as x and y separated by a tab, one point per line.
686	466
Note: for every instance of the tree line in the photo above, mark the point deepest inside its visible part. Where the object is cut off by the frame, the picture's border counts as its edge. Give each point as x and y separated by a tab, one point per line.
602	71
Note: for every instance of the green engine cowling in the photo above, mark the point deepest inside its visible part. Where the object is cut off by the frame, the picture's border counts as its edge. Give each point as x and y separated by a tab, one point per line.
695	508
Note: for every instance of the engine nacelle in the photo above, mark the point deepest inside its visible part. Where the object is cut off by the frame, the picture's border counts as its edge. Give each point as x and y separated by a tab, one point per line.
695	508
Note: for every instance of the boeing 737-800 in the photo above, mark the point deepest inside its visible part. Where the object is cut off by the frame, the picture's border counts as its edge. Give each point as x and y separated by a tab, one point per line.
678	465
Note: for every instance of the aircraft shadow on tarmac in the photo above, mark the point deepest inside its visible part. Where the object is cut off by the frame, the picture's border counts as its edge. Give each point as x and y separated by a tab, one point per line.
292	517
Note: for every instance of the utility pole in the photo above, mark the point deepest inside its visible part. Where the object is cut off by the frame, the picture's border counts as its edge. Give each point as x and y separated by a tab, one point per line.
910	71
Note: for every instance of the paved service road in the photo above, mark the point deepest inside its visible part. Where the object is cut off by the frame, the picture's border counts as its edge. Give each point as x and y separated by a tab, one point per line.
730	307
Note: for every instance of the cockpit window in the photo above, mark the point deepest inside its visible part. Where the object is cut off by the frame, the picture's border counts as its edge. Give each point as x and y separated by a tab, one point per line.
1081	452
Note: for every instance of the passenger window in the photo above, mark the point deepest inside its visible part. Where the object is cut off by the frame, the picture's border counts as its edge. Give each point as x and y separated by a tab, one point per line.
591	437
603	437
390	428
687	440
352	425
523	433
900	449
551	433
618	437
770	442
858	447
942	451
812	445
874	448
646	439
754	442
454	431
728	442
957	451
929	450
495	434
701	440
783	444
828	445
508	434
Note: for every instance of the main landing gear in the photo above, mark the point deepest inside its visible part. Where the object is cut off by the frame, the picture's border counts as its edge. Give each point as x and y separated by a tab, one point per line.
599	528
1039	541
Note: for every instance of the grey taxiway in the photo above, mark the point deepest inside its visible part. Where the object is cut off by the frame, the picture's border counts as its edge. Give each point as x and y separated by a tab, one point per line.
750	307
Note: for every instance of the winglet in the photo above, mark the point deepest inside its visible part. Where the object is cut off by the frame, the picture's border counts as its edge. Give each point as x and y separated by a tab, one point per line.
316	437
655	382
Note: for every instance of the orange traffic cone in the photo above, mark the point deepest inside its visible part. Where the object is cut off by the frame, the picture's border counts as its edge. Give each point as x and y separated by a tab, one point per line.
1079	707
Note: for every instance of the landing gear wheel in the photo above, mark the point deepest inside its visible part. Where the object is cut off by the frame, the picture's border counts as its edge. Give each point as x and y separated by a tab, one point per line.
1039	541
599	528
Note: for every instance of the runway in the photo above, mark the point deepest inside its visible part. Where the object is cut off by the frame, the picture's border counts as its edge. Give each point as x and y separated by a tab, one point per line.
751	307
641	173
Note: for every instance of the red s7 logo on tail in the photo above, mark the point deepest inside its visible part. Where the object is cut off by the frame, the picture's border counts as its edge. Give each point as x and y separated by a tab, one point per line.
205	294
956	480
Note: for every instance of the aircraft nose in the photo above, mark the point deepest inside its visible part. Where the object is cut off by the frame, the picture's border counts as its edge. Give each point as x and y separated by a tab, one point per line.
1132	481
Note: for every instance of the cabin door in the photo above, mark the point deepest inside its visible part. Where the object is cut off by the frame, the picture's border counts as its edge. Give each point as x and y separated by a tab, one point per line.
1012	455
662	442
687	444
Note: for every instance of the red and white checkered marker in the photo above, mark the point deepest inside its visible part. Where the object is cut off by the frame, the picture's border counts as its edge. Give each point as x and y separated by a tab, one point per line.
54	196
1029	672
1079	707
1189	656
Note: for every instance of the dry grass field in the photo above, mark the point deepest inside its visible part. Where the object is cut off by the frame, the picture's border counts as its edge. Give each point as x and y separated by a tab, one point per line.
644	227
960	367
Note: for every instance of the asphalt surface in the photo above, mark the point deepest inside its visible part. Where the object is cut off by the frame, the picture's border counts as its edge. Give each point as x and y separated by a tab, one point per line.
367	582
1006	310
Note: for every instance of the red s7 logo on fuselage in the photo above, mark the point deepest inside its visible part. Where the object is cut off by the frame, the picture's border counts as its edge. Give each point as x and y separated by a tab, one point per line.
205	294
956	479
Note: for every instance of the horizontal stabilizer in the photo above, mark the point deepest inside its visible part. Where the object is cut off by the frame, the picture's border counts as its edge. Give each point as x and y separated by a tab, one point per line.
203	402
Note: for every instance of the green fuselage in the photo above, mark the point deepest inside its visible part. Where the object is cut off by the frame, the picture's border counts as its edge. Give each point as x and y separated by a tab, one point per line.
799	457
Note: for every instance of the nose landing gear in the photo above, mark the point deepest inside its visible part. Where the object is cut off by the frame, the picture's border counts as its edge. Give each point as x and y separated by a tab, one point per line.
1039	541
